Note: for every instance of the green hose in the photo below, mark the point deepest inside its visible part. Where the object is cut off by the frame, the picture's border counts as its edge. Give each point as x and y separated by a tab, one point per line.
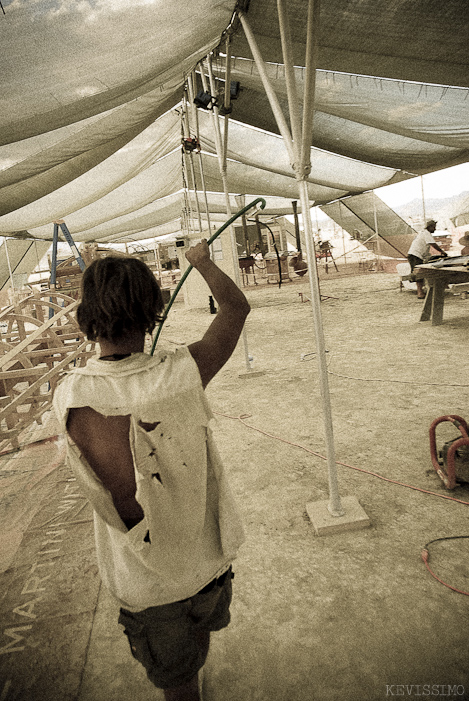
183	278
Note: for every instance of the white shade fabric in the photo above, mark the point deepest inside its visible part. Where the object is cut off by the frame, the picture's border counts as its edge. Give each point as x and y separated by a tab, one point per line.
91	122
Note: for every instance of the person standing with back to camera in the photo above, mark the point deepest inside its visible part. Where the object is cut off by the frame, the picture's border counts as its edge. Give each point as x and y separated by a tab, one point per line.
139	443
420	249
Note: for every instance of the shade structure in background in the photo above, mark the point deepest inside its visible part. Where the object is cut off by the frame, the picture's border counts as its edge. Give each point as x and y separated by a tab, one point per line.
370	221
97	139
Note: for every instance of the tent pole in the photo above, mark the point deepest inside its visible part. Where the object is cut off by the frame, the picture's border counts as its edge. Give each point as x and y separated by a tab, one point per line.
271	96
13	291
343	233
375	215
188	156
312	43
423	201
335	506
227	99
219	146
191	83
302	169
297	225
293	102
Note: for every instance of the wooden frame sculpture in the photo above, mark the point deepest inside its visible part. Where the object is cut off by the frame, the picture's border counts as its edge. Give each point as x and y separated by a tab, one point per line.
40	340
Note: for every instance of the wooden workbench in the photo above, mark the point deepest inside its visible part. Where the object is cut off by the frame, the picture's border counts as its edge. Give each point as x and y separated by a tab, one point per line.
436	280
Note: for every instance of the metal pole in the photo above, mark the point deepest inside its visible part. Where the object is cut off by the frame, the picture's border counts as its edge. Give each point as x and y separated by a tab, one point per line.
297	225
375	215
227	100
219	146
312	43
304	167
53	266
423	201
271	96
293	102
191	83
10	272
335	506
343	233
188	157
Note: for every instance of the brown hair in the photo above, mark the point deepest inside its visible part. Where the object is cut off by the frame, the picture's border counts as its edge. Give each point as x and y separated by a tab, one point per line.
119	295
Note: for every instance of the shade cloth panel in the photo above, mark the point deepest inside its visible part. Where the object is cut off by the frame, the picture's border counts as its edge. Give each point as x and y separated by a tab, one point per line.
65	61
410	126
89	138
401	39
47	170
369	220
132	177
22	257
251	147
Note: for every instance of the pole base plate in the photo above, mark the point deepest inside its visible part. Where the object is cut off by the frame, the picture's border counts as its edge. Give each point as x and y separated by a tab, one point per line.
325	523
252	373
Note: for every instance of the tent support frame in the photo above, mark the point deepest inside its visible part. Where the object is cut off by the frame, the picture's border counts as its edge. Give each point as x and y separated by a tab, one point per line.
302	168
222	165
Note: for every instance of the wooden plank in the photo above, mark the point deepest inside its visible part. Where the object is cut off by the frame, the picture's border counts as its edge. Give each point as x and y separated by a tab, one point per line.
438	302
427	305
49	375
24	372
37	333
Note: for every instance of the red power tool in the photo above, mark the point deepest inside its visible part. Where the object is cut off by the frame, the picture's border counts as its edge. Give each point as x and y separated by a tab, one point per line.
452	461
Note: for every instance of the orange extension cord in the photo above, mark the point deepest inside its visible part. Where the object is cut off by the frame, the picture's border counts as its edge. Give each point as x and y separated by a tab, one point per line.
425	553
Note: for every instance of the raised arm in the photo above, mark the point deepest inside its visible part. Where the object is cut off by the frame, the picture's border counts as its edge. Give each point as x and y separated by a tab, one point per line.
220	339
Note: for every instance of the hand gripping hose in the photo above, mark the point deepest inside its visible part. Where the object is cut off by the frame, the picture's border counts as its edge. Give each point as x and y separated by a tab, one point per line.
261	203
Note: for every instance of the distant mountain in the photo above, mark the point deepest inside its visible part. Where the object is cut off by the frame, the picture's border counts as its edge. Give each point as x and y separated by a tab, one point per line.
440	209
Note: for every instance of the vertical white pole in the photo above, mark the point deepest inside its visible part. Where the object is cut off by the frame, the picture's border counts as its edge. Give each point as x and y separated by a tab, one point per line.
304	167
271	96
227	99
293	102
188	157
423	201
191	83
301	170
219	146
13	291
378	238
312	43
335	506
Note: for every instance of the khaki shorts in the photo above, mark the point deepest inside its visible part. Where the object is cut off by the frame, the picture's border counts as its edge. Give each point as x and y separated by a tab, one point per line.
164	638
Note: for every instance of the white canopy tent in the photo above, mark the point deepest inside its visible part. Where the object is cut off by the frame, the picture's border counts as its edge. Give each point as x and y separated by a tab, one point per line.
462	216
88	137
91	128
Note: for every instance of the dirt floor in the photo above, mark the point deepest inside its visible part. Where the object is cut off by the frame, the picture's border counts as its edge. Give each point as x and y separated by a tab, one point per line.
353	616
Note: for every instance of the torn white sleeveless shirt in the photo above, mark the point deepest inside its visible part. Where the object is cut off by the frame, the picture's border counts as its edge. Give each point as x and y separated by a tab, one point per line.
191	529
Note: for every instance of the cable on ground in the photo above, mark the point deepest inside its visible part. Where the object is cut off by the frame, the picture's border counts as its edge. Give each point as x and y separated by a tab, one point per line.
426	555
425	552
344	464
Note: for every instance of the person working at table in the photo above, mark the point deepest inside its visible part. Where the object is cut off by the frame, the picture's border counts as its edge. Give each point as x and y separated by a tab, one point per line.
419	251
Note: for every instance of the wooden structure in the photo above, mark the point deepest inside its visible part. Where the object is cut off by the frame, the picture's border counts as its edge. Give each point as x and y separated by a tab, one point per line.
35	352
436	280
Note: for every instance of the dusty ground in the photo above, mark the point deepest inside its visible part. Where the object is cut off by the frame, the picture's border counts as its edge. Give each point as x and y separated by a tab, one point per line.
347	617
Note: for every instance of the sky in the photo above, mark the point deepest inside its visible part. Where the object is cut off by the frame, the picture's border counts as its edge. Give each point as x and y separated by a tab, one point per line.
444	183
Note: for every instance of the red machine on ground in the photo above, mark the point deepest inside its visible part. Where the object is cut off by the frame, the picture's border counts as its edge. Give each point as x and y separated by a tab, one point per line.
452	461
